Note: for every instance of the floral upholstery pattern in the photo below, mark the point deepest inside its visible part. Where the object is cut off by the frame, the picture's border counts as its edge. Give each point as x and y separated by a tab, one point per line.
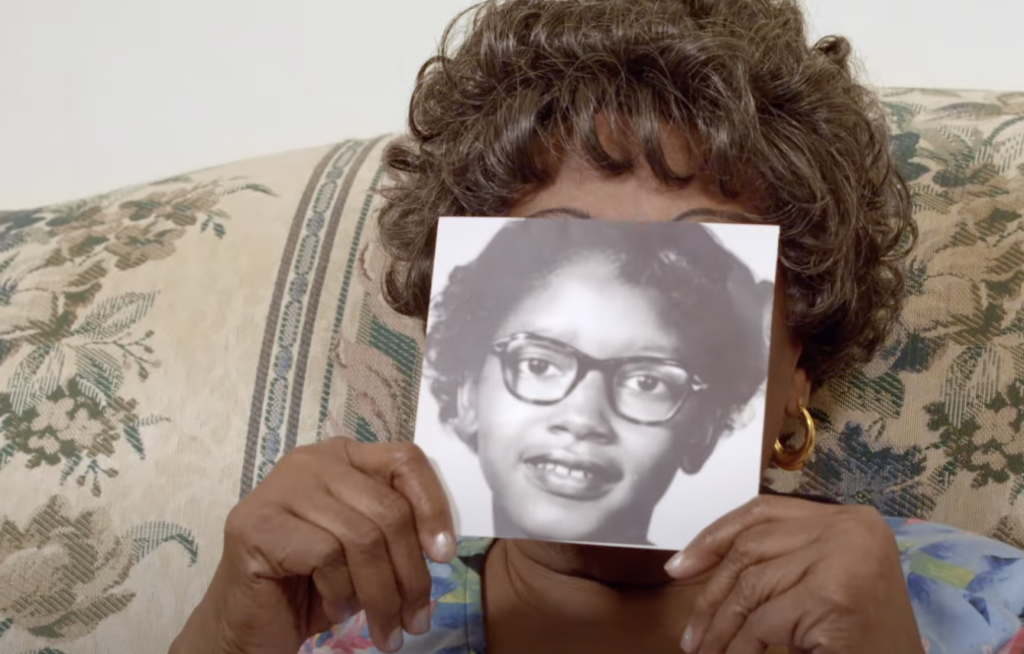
162	346
932	427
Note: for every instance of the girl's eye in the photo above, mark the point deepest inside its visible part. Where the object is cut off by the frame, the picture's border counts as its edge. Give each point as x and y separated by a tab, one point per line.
538	367
650	384
645	383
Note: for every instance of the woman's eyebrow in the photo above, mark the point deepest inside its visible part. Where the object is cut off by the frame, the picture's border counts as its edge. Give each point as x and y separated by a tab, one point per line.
564	212
707	212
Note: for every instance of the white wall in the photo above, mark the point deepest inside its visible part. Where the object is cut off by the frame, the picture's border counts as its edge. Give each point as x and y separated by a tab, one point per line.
101	93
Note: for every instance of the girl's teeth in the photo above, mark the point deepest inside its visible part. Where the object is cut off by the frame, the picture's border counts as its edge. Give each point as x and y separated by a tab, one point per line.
565	471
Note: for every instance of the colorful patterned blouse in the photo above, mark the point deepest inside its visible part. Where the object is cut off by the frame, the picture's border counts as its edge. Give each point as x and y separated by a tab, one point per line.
967	591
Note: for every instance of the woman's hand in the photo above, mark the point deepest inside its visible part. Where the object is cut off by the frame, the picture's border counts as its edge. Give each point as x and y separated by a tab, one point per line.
335	528
812	577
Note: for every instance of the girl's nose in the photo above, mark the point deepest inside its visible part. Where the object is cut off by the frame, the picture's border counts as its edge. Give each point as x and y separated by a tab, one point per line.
584	413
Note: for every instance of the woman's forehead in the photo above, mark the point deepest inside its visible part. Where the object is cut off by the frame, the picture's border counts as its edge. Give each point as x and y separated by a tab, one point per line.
581	191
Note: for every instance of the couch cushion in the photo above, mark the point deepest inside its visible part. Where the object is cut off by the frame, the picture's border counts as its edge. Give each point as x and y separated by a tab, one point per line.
932	427
162	346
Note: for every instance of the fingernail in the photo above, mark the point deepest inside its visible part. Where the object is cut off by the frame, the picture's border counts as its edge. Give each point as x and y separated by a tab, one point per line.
444	546
421	621
687	637
395	640
675	564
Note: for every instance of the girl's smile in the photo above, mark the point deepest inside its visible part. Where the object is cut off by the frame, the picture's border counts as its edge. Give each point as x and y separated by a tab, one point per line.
576	473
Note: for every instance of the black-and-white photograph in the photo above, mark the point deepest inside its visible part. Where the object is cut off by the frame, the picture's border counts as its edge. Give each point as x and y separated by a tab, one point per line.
597	381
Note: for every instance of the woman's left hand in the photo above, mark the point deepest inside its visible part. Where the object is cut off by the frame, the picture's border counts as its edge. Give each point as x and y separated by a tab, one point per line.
813	577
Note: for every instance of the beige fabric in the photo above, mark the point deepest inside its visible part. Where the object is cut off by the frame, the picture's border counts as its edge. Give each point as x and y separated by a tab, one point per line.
932	428
163	345
150	335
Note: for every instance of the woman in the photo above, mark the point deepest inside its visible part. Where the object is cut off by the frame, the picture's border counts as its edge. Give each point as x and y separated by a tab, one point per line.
647	110
670	320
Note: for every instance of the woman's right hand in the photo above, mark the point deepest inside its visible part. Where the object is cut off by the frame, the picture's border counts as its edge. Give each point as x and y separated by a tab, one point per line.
335	528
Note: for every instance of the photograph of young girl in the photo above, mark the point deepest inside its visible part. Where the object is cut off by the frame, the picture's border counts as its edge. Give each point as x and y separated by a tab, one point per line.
580	375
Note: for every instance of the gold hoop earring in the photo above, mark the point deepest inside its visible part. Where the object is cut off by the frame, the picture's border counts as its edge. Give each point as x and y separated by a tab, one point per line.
796	459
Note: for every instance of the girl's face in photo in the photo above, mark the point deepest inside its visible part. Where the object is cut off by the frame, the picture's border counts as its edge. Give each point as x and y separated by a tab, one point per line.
590	308
576	468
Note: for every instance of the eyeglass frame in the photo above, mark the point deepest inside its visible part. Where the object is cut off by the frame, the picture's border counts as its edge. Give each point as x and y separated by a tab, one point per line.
585	364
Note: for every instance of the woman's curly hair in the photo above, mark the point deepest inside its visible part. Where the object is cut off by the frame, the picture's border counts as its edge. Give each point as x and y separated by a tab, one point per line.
783	125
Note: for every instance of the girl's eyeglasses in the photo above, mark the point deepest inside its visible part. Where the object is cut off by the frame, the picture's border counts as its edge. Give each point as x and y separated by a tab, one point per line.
643	390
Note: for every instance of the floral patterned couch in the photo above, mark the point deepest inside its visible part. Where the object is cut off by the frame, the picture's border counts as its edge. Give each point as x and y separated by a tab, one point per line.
162	346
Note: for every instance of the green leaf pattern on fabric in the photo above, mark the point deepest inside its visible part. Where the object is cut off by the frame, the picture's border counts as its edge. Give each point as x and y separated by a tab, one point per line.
63	572
960	341
68	353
